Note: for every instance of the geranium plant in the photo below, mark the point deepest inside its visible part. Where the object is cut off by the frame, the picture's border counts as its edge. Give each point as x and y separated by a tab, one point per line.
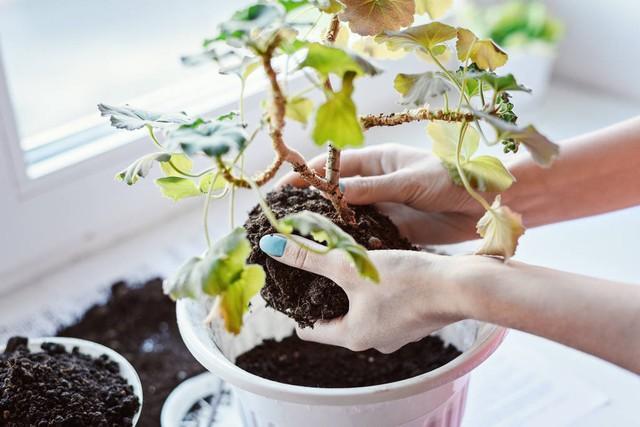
257	38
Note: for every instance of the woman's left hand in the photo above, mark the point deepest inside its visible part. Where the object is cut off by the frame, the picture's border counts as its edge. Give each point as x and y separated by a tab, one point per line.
417	294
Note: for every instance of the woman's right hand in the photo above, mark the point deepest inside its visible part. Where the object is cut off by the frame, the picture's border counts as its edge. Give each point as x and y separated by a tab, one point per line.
409	185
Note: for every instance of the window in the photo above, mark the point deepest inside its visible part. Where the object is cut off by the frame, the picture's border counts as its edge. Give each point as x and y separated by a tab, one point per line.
63	57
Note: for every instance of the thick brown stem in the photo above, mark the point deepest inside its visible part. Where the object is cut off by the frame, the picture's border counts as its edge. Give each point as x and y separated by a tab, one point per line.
333	30
395	119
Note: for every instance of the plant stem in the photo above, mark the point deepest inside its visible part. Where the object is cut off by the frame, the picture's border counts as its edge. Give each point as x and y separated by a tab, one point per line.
395	119
465	182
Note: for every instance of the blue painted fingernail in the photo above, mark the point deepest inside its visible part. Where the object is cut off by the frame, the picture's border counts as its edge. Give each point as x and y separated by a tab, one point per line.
341	186
273	245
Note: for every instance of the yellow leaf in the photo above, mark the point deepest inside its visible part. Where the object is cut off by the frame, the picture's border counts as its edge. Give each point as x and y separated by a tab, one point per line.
421	37
435	8
464	44
500	229
369	47
487	173
368	18
180	161
487	55
235	301
299	109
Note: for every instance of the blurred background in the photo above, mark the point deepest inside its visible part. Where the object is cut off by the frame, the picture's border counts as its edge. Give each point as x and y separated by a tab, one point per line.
67	229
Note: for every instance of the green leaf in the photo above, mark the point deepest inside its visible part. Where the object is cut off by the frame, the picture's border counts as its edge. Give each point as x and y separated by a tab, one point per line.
435	8
177	188
205	182
290	5
225	261
500	229
337	121
242	68
498	83
541	148
445	136
235	300
299	109
211	138
323	230
328	59
129	118
141	167
186	282
256	17
417	89
182	162
421	37
368	18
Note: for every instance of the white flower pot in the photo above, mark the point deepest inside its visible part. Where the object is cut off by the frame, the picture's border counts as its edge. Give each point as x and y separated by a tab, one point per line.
433	399
95	350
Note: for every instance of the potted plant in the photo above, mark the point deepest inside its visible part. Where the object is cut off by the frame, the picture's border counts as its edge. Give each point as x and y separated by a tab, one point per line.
219	285
66	381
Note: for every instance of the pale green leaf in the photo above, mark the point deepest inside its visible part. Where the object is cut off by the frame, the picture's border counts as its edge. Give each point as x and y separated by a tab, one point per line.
327	6
211	138
205	182
235	300
333	60
299	108
487	173
435	8
224	262
445	137
541	148
337	121
368	18
417	89
177	188
180	161
141	167
186	282
255	18
421	37
500	229
323	230
129	118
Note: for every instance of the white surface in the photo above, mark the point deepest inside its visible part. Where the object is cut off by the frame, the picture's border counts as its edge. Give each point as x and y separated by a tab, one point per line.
604	246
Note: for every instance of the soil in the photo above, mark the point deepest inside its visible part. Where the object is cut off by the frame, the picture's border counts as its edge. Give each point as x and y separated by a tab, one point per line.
57	388
297	362
139	322
304	296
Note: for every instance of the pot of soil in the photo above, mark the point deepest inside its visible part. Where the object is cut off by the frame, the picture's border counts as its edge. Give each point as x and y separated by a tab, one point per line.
283	381
66	381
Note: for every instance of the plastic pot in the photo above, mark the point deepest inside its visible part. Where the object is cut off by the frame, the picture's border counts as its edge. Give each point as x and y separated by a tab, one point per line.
433	399
95	350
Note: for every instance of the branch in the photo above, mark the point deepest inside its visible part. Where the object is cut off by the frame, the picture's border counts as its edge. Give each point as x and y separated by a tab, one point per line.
395	119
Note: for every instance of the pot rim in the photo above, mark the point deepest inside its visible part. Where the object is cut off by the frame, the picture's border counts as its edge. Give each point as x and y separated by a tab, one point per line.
93	349
217	363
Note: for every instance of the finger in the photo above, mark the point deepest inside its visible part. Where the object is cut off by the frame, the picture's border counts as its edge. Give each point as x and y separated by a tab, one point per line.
331	332
389	188
304	254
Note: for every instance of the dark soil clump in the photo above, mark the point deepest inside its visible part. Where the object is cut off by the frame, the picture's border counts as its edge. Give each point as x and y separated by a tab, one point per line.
303	296
297	362
57	388
140	323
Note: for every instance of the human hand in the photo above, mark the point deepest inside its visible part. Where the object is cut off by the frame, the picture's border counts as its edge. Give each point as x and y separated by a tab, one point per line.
417	294
410	186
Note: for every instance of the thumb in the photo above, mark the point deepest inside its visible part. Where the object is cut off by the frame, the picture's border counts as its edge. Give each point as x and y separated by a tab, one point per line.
302	253
375	189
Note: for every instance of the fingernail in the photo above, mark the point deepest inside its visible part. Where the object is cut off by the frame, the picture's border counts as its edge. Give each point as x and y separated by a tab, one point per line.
341	186
273	245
